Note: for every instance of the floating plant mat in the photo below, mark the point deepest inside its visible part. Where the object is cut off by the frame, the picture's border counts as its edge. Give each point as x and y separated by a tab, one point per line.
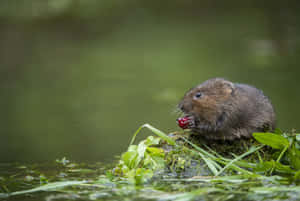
168	168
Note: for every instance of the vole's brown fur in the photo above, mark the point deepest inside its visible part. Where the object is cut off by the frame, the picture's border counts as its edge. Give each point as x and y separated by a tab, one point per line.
221	110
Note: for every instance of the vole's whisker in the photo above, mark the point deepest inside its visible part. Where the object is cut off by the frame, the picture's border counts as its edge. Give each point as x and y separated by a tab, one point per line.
177	112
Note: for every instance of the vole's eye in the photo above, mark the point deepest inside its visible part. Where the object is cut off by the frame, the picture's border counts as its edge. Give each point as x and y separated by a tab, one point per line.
197	95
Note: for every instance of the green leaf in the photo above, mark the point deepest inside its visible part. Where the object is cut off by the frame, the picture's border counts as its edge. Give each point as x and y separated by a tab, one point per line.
265	166
130	159
298	137
294	157
273	165
283	168
278	131
154	151
142	175
139	162
297	176
273	140
151	140
83	170
141	150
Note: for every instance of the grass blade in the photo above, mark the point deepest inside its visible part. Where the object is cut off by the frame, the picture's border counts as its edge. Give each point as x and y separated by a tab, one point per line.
221	160
210	164
239	157
48	187
155	131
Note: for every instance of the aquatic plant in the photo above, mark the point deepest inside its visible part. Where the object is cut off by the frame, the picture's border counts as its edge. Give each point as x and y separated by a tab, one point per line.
161	167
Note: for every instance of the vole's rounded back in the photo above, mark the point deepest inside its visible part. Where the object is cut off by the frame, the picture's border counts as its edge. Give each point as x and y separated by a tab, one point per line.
219	109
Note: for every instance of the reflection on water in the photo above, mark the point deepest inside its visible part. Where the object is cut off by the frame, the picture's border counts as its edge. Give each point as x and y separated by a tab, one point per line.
64	94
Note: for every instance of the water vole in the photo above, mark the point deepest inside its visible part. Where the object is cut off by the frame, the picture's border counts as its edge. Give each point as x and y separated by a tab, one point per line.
221	110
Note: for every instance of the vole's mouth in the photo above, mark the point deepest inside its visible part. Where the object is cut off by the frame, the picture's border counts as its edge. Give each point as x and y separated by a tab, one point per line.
185	122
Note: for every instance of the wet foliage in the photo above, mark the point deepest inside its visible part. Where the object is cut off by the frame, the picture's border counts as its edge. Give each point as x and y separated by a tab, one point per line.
169	167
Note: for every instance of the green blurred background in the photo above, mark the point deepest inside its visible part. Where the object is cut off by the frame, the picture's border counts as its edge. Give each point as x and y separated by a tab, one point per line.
78	77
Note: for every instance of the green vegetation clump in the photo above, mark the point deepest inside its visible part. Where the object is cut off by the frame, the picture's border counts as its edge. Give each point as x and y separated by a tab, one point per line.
180	167
271	154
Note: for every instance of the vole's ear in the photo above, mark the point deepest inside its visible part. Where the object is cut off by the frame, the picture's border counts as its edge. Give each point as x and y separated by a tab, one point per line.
229	87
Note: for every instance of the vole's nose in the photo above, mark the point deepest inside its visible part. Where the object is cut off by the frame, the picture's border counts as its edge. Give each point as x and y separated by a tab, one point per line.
185	106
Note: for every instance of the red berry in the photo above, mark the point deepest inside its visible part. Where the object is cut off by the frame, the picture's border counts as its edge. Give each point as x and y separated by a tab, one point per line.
183	122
